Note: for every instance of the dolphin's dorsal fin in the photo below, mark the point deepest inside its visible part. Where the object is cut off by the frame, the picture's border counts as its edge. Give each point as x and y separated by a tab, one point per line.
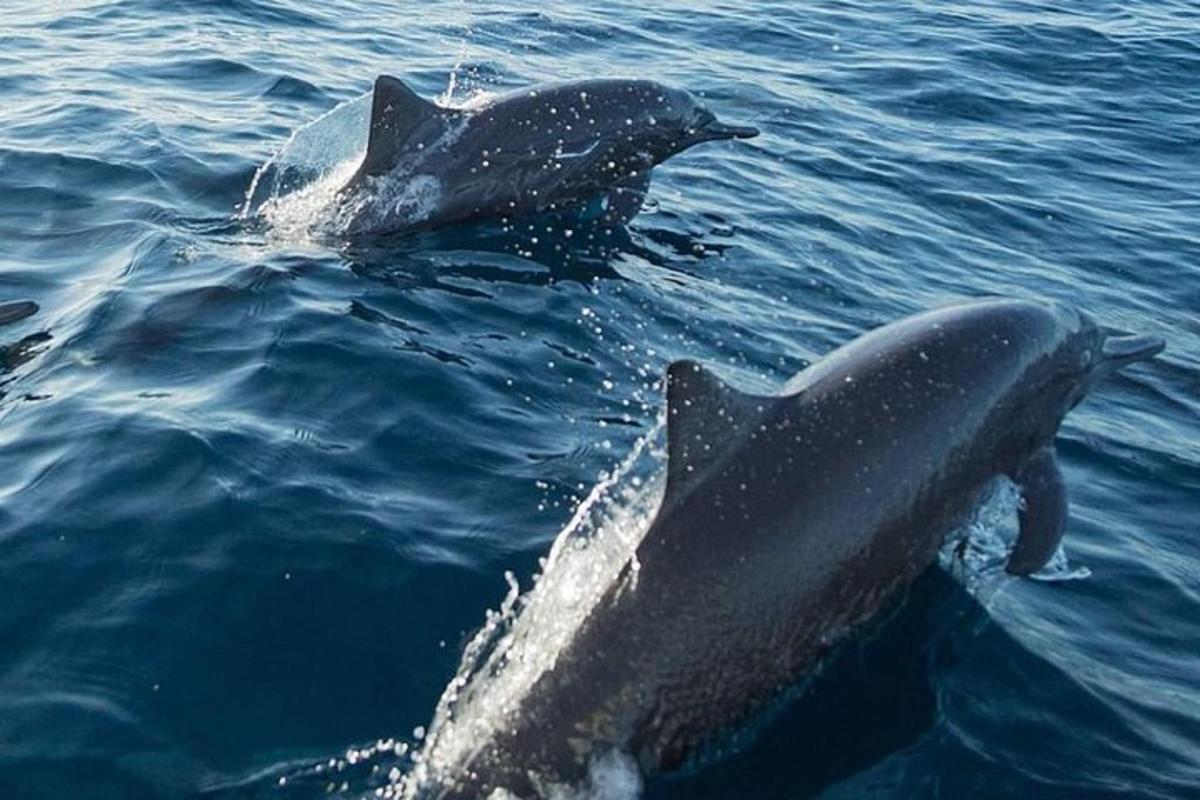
704	416
396	111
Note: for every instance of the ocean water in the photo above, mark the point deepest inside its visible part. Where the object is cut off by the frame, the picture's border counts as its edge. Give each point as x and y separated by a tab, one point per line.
259	484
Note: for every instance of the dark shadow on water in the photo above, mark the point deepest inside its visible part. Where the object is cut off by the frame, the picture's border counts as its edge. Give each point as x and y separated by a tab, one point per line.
15	312
535	251
489	252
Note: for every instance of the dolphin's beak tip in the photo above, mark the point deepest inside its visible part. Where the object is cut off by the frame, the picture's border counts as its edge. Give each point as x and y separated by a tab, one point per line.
1122	350
717	130
743	131
1152	346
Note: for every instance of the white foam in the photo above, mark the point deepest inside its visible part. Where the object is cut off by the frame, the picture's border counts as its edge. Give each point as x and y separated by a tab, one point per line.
386	201
524	638
613	776
306	213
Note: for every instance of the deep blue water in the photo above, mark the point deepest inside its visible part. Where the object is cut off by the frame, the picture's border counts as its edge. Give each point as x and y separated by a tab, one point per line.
256	490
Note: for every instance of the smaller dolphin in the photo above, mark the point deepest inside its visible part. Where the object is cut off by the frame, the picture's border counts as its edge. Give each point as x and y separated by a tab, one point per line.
14	355
788	521
17	311
586	146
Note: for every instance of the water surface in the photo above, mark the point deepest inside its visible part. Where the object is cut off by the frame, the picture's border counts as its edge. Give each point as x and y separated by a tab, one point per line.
257	488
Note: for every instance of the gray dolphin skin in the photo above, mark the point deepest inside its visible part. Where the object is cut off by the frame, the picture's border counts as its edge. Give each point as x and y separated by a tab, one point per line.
550	148
790	520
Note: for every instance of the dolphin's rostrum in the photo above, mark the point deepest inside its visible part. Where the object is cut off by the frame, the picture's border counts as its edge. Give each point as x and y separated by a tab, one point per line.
788	521
581	147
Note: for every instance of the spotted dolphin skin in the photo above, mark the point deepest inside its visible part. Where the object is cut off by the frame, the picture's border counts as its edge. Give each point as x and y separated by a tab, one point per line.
790	520
546	149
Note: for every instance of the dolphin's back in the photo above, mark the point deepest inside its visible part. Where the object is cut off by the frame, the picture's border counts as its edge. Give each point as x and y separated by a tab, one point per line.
867	425
550	145
787	521
833	496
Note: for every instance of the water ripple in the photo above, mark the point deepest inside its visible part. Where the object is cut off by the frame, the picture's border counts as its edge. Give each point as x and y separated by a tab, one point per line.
259	487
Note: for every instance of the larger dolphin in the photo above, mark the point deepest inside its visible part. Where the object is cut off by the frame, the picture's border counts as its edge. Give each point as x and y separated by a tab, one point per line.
789	520
553	148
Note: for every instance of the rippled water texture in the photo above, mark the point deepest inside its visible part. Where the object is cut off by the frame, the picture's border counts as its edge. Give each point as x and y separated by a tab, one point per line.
257	488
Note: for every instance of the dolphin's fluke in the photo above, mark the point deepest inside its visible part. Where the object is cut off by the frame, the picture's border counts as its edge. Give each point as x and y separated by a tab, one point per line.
396	111
704	415
1043	513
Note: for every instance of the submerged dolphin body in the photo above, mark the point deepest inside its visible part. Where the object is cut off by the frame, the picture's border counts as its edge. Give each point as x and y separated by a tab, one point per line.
789	520
549	149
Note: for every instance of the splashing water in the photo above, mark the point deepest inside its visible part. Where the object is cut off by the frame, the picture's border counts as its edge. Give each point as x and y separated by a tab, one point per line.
404	196
312	153
524	638
976	552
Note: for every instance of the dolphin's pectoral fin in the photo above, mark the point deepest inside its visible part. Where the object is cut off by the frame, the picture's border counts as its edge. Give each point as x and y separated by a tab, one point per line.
625	200
703	415
1043	513
396	111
